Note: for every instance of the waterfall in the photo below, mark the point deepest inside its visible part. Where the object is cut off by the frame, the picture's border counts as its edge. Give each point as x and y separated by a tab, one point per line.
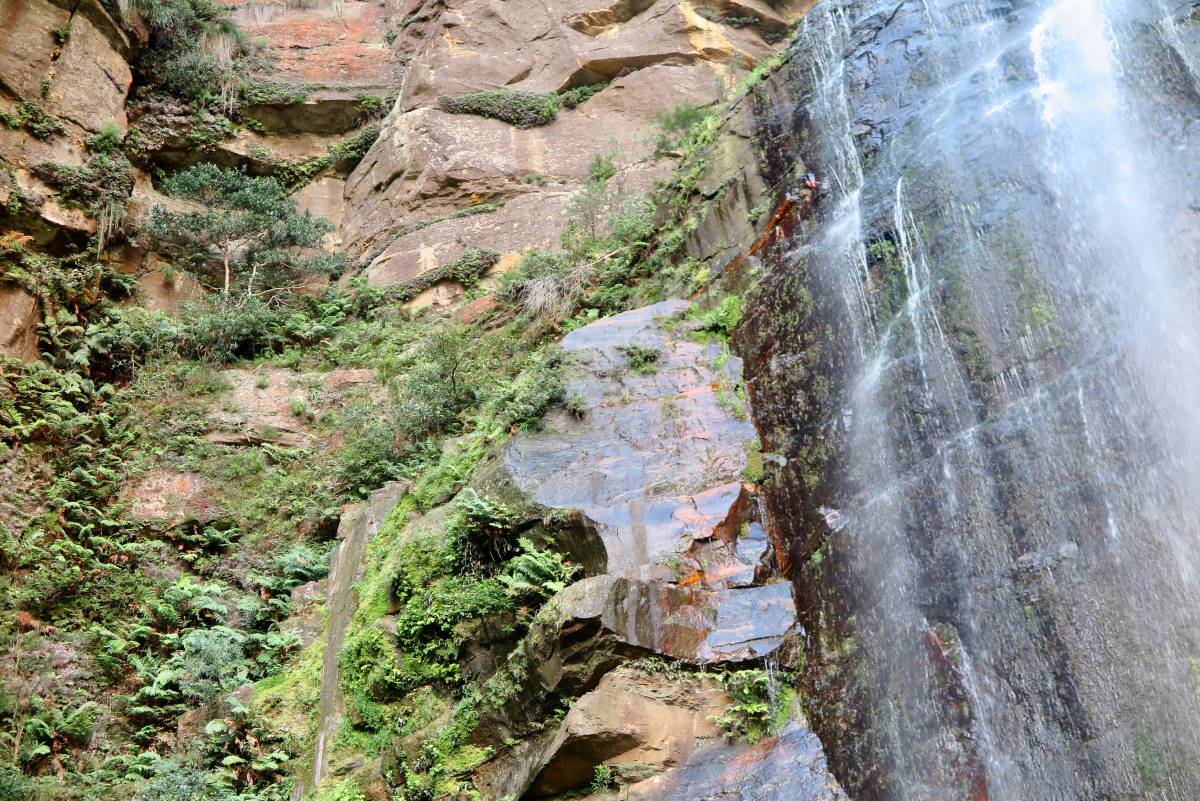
1005	251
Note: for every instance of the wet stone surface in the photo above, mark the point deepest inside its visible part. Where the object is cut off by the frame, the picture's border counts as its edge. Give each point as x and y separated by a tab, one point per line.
655	466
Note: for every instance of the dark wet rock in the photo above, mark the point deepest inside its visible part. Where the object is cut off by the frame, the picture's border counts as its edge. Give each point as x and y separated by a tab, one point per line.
692	624
654	467
789	766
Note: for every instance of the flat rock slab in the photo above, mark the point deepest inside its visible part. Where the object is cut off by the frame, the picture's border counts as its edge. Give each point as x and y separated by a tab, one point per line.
692	624
787	767
171	498
655	467
258	408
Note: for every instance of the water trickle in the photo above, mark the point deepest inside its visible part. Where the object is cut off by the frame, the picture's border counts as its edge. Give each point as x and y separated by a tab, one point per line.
1007	603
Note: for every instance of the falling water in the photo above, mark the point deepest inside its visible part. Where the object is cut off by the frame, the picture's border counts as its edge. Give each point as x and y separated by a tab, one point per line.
1005	254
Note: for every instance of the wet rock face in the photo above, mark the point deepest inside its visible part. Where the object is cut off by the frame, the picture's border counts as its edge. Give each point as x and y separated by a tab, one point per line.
976	353
654	467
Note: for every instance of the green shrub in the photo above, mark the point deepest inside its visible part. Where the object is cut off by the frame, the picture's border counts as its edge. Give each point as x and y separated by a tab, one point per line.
603	779
467	269
14	785
520	108
676	124
263	238
642	360
536	573
33	119
107	139
757	709
481	530
571	98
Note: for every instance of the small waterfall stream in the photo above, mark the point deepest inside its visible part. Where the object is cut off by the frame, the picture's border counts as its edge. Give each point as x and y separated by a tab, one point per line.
1002	263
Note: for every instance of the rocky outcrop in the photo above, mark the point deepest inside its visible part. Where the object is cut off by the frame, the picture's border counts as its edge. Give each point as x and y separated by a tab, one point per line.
335	54
410	198
359	525
652	466
272	405
18	323
80	74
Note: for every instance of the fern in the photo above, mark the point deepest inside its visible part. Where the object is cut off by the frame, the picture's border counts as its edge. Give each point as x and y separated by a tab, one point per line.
536	572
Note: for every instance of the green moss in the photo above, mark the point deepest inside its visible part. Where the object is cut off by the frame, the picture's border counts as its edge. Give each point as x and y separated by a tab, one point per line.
520	108
753	471
260	92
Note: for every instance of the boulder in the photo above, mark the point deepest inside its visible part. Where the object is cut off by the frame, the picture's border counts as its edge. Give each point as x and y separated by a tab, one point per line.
18	323
691	624
91	79
655	462
170	498
635	722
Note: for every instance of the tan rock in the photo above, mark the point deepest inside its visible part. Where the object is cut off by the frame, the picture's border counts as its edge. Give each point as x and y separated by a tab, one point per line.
427	164
26	44
163	290
632	718
171	498
257	409
476	310
324	198
91	79
18	323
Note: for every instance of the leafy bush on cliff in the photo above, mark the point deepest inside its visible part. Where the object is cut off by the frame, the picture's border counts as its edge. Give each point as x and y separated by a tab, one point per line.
33	119
516	107
264	241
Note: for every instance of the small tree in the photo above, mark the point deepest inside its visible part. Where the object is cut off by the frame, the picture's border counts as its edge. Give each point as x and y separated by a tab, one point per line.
250	222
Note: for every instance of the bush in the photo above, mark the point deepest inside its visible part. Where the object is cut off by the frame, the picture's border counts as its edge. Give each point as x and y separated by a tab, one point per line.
572	98
31	117
263	238
520	108
14	785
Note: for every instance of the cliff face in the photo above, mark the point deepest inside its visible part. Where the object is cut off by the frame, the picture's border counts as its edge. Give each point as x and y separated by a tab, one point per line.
970	354
475	516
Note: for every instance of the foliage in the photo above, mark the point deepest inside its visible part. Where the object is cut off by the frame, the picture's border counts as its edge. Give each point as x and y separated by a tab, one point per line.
251	222
675	124
604	778
196	52
106	181
516	107
260	92
481	530
572	98
536	573
33	119
761	704
642	360
466	269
